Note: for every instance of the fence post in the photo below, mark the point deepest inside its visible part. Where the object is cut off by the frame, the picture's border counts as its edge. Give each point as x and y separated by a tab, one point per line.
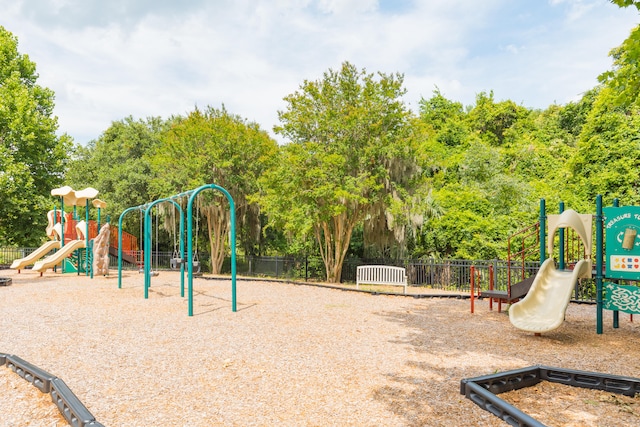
491	284
431	268
472	285
306	268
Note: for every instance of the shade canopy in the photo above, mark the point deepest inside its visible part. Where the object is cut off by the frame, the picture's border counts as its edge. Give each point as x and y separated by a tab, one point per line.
71	197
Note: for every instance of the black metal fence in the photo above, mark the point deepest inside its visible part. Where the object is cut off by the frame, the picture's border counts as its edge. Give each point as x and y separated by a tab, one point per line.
438	274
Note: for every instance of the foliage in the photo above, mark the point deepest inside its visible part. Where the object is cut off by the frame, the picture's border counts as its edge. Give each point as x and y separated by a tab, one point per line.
349	158
488	183
32	158
607	160
214	146
492	120
362	175
624	78
117	164
626	3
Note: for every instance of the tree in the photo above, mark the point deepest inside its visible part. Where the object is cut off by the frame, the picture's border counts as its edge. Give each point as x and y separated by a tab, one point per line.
626	3
447	119
118	165
32	157
483	175
624	78
492	120
607	159
349	154
214	146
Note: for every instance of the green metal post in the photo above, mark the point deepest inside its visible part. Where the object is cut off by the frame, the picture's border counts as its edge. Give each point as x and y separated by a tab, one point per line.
88	254
148	244
189	258
616	313
599	255
62	223
543	228
561	243
55	219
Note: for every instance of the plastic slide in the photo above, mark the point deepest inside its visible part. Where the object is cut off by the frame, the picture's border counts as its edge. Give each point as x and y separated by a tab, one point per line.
55	259
19	264
544	307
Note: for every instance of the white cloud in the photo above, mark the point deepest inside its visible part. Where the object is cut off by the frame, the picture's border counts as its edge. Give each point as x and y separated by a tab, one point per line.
347	7
109	60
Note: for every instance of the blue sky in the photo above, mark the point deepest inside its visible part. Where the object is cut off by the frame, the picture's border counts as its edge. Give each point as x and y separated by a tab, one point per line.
106	60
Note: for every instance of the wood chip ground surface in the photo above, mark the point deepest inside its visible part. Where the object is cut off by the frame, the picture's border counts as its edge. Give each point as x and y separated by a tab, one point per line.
292	355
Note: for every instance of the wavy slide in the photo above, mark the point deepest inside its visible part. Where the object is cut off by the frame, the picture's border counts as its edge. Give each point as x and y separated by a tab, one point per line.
544	307
55	259
19	264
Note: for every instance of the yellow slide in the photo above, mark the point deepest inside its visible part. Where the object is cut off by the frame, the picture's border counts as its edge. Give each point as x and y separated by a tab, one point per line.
544	307
55	259
19	264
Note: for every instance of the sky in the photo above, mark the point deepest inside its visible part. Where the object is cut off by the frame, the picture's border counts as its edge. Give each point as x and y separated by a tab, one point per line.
106	60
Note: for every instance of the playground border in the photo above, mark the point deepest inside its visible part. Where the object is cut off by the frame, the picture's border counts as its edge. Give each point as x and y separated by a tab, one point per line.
71	408
483	390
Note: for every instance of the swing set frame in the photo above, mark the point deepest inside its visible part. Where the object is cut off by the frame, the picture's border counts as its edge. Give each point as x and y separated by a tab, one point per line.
191	194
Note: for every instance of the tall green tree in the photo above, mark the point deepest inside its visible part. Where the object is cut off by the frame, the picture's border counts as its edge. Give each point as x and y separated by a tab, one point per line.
118	165
607	158
624	77
214	146
32	157
492	120
349	157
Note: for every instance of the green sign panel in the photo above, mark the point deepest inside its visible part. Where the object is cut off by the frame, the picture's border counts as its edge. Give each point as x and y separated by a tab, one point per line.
622	298
622	227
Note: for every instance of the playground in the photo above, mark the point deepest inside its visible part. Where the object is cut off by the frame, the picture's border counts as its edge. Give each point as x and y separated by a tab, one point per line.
290	355
260	352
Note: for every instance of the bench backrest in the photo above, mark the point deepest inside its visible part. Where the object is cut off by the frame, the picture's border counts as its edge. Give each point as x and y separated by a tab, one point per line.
381	274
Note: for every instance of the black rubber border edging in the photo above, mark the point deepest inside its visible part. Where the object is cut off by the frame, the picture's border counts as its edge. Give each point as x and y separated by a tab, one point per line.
483	390
71	408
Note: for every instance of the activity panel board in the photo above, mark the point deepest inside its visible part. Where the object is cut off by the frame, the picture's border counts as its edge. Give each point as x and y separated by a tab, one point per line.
622	226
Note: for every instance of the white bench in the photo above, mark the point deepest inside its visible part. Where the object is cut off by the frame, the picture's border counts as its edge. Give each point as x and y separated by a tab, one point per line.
381	275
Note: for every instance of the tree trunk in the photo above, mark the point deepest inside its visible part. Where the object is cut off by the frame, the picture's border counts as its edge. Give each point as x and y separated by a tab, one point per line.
218	230
333	238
